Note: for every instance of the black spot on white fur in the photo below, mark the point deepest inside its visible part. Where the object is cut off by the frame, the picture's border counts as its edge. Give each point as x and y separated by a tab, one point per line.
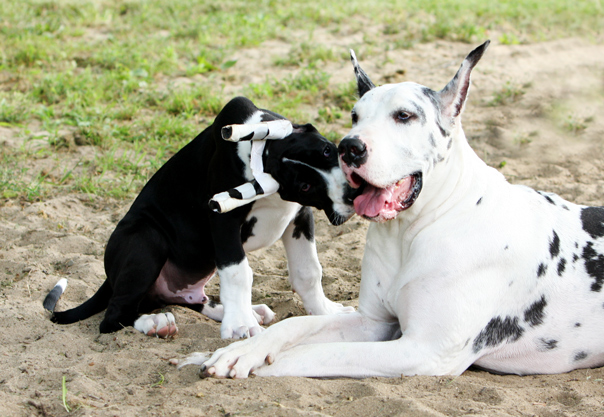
594	266
432	96
247	229
561	266
421	114
479	201
554	246
534	314
579	356
593	221
498	331
547	198
547	344
541	270
304	224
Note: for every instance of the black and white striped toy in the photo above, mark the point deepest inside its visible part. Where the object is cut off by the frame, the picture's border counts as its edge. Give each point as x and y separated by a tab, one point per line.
263	183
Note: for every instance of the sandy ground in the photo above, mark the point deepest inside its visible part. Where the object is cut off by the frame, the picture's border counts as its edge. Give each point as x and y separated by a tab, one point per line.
549	137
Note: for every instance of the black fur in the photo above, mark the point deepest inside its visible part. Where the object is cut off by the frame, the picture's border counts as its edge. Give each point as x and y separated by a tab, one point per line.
171	224
593	221
534	314
498	331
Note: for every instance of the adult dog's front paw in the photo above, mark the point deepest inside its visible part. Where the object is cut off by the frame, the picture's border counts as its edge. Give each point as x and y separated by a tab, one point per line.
238	360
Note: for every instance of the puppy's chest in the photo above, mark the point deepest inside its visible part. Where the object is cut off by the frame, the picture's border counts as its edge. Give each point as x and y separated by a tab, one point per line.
266	222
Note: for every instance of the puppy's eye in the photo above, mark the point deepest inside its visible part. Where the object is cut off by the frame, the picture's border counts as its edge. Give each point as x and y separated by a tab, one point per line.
305	187
403	116
327	152
355	117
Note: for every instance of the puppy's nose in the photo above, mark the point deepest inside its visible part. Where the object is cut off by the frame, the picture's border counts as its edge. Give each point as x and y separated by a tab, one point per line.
353	151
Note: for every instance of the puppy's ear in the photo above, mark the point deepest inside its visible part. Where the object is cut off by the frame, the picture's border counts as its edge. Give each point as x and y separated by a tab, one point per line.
453	96
306	128
364	84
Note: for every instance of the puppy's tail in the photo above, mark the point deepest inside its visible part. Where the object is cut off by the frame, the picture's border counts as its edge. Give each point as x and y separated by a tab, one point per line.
97	303
53	296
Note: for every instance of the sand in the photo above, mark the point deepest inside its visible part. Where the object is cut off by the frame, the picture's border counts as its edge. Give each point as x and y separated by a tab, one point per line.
548	137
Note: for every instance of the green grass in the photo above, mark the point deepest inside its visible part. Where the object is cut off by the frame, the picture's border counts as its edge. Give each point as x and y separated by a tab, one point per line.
509	93
110	72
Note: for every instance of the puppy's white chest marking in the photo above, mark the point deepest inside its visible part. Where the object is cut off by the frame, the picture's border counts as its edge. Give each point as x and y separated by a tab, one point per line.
267	221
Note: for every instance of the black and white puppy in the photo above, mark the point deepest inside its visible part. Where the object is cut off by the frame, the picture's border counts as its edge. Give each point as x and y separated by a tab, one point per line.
170	243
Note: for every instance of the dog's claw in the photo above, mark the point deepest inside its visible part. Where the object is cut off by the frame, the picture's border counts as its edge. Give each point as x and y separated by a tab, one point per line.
158	325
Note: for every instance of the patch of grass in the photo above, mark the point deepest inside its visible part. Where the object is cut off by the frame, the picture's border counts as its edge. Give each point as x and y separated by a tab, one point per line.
64	395
576	124
160	381
107	71
510	93
285	96
13	110
308	54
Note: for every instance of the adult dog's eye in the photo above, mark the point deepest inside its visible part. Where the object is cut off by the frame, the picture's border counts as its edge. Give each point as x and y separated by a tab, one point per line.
327	152
355	116
305	187
403	116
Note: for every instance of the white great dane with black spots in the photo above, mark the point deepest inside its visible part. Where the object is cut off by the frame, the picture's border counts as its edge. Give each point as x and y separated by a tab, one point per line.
460	267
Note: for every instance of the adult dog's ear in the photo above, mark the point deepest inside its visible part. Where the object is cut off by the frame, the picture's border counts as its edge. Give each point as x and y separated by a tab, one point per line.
364	84
453	96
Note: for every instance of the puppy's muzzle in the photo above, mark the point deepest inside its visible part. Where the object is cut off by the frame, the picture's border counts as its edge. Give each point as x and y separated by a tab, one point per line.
353	151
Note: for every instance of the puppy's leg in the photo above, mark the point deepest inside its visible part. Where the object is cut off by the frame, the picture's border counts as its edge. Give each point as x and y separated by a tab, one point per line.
239	359
236	278
215	311
133	262
304	268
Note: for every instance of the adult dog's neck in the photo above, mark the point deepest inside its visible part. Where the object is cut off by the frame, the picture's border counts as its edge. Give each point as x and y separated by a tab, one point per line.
459	177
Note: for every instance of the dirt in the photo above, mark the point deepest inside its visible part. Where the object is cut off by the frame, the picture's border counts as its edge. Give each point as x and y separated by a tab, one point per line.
545	132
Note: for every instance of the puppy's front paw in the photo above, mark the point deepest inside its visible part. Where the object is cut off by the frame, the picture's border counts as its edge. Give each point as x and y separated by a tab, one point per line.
263	314
240	326
326	306
159	325
195	358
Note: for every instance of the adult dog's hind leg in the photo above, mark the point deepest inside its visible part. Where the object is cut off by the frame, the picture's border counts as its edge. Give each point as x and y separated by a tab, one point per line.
133	262
304	268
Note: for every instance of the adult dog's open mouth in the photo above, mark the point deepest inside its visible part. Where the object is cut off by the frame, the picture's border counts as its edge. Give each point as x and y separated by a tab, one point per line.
385	203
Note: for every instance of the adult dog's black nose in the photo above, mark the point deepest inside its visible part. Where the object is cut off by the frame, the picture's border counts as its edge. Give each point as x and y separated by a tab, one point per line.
353	151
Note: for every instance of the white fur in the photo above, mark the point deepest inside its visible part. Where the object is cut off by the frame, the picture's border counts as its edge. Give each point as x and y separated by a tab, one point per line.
452	281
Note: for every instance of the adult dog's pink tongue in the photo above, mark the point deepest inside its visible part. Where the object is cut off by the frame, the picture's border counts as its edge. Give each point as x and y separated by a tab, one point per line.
375	200
371	202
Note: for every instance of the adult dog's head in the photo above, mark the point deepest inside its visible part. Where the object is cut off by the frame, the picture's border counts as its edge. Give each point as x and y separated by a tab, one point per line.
305	165
401	134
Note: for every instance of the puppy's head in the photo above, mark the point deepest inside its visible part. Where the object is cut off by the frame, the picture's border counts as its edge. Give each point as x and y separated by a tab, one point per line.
305	165
401	134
